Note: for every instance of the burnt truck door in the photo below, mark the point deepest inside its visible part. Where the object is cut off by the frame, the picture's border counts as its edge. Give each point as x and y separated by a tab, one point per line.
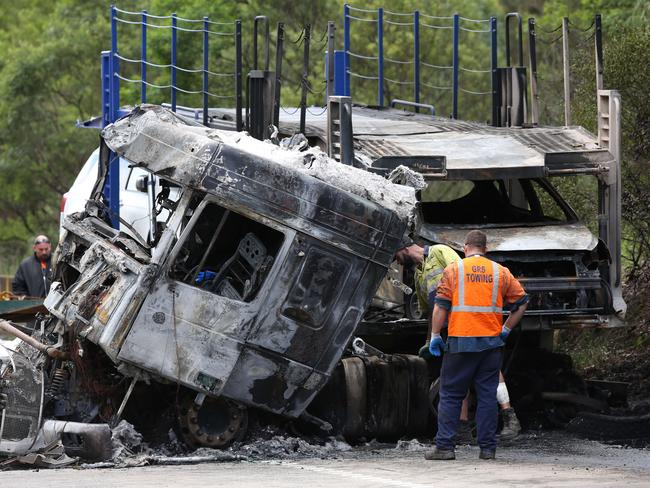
318	291
297	318
193	324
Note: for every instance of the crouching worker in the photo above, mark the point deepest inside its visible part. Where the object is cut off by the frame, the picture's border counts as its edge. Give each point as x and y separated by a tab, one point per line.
472	294
430	262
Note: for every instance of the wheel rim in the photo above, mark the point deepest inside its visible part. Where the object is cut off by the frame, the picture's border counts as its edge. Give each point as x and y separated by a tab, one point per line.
217	423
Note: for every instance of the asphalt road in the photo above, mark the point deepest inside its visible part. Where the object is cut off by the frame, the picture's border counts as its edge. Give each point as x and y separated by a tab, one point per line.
538	460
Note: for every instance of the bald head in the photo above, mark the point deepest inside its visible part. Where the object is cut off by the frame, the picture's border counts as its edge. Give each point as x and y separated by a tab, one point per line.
42	247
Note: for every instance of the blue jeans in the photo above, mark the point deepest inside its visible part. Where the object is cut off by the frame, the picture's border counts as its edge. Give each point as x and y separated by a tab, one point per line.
459	371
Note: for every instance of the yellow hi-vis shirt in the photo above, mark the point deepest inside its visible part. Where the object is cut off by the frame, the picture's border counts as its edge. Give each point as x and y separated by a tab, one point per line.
429	273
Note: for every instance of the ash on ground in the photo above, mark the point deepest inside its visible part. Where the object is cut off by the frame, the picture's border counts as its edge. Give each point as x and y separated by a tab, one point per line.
272	443
263	444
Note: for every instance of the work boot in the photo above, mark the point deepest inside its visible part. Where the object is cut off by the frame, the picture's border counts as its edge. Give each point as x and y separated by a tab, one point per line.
464	435
437	454
486	454
511	427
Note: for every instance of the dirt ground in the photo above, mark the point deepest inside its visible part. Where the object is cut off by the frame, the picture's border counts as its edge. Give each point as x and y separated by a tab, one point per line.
537	459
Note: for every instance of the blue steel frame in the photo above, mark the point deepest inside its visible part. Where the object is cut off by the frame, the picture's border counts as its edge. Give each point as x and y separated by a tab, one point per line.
494	65
380	61
455	68
342	59
111	70
143	56
206	27
173	62
110	80
111	97
346	50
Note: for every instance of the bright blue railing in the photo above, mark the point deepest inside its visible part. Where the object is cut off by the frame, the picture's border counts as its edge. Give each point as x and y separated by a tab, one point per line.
415	21
112	76
345	61
175	24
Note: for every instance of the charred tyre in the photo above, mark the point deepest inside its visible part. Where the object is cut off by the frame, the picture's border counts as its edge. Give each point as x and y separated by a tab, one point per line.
215	423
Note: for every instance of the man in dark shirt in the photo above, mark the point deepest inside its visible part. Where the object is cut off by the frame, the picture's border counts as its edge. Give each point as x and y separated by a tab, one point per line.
33	276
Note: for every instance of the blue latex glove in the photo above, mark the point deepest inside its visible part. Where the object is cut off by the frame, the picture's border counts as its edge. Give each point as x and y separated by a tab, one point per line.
437	345
504	333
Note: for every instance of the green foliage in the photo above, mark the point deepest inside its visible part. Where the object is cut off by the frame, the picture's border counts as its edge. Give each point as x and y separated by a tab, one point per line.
627	49
49	77
46	86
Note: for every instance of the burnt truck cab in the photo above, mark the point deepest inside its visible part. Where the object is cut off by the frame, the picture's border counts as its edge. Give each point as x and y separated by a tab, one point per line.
254	284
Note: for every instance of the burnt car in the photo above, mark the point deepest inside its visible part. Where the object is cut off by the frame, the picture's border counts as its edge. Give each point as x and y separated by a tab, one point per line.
535	233
501	180
259	265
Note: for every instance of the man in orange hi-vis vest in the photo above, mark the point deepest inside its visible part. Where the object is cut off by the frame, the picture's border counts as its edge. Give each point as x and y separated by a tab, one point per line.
472	294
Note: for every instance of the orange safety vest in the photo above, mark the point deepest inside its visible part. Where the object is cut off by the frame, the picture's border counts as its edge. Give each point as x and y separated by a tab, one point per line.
477	301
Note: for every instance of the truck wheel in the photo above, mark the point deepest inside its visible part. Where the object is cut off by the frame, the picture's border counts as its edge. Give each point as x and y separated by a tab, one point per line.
217	423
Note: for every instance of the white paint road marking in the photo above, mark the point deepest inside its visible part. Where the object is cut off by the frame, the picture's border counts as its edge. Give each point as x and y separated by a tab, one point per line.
381	481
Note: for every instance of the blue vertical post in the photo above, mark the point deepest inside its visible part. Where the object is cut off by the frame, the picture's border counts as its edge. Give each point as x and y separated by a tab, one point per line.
115	70
173	67
346	47
339	73
206	27
112	186
380	57
143	57
494	64
106	88
416	57
454	64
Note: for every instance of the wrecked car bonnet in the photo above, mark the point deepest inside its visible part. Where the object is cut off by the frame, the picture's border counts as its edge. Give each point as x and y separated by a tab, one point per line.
569	237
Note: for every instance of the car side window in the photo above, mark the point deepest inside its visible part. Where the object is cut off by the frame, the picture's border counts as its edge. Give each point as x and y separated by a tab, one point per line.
517	196
446	191
550	208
